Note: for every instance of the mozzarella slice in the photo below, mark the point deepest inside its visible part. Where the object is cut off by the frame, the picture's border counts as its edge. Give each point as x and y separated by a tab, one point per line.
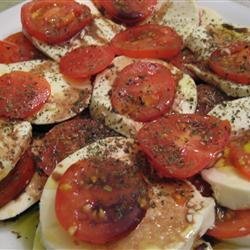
243	241
25	200
99	32
228	87
230	188
182	16
30	195
15	139
236	111
65	100
206	39
200	40
209	17
163	229
101	107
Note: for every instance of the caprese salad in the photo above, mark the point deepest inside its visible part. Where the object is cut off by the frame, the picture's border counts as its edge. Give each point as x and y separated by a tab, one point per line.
128	122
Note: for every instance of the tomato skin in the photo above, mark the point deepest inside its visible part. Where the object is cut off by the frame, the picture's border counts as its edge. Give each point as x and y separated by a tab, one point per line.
232	62
148	41
54	21
230	224
19	177
239	154
98	200
180	145
27	51
144	91
9	52
66	138
85	62
22	94
127	11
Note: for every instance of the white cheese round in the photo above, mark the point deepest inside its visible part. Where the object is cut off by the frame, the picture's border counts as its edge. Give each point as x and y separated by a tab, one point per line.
15	139
199	211
25	200
182	16
101	107
65	100
99	32
228	87
230	188
237	112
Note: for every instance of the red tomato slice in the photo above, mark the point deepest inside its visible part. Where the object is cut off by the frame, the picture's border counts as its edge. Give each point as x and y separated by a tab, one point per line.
239	154
54	21
181	145
144	91
148	41
127	11
230	224
84	62
19	177
232	62
22	94
100	200
27	51
66	138
9	52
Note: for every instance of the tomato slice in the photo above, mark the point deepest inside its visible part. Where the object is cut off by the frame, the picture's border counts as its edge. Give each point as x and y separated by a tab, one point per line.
84	62
230	223
27	51
148	41
239	154
143	91
54	21
127	11
22	94
66	138
232	62
19	177
9	52
181	145
100	200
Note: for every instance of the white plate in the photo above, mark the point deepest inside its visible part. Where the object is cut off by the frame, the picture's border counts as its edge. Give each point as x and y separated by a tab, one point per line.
233	12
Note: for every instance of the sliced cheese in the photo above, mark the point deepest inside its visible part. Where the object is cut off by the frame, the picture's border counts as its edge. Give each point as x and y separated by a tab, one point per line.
237	112
228	87
65	100
25	200
101	106
182	16
15	138
99	32
163	229
230	189
209	17
210	36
